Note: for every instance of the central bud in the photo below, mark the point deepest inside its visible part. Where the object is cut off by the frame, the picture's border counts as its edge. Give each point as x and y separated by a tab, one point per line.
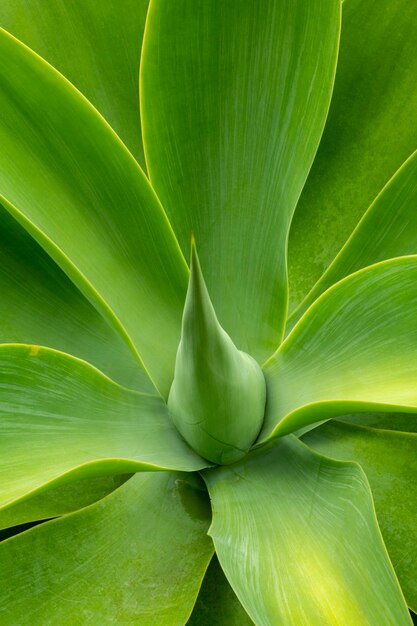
217	398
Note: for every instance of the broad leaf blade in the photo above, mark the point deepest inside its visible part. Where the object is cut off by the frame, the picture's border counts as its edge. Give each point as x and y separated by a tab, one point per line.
389	460
387	230
71	183
96	45
371	130
353	351
138	557
40	305
297	537
234	97
62	419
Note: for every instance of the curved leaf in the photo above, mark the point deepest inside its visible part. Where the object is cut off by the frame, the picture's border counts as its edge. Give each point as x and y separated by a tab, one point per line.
96	45
389	421
65	176
61	419
389	460
40	305
353	351
387	230
297	537
371	130
60	500
137	557
217	603
231	169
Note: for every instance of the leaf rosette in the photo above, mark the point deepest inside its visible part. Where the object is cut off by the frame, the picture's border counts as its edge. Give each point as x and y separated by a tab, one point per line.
153	414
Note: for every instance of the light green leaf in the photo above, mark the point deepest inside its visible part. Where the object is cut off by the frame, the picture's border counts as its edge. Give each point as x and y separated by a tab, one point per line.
217	604
371	130
60	500
389	460
71	183
96	45
136	557
297	538
353	351
388	229
61	419
40	305
229	156
217	398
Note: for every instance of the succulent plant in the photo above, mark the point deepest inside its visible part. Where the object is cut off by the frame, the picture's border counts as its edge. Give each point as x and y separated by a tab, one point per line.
208	338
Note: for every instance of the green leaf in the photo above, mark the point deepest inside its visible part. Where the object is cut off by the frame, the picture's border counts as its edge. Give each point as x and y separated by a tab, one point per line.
387	230
217	399
65	176
388	421
353	351
40	305
96	45
217	604
234	97
389	460
61	419
136	557
371	130
60	500
297	538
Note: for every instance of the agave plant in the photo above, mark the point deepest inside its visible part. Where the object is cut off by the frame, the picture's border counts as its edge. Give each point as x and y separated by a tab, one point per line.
162	398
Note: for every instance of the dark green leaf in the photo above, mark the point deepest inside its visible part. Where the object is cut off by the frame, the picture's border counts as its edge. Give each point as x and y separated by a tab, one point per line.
371	130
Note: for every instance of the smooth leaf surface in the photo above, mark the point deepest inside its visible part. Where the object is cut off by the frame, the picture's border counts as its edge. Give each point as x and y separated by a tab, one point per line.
387	230
61	419
388	421
71	183
297	537
353	351
60	500
96	45
234	97
217	603
217	398
136	557
371	130
389	460
40	305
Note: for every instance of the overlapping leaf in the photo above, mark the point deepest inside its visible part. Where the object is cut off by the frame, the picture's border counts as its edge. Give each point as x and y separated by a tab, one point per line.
387	230
61	419
60	500
40	305
217	603
96	45
138	556
353	351
66	177
371	130
234	97
297	537
390	463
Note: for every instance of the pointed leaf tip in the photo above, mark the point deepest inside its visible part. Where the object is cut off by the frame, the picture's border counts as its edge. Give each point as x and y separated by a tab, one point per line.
217	399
